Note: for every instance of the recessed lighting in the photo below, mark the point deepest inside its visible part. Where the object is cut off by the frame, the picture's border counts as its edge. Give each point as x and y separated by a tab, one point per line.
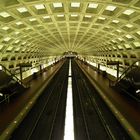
7	39
1	46
128	36
92	5
17	41
39	6
120	39
74	15
110	8
4	14
120	47
88	16
22	9
127	46
9	48
129	25
138	32
115	21
24	43
32	19
17	33
5	28
17	49
46	17
128	12
101	18
75	4
119	31
19	23
60	15
137	44
113	41
57	5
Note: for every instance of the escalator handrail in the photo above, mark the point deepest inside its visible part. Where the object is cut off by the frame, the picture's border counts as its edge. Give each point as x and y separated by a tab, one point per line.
14	77
126	71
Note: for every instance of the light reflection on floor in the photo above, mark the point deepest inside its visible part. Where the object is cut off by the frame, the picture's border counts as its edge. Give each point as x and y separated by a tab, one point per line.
69	127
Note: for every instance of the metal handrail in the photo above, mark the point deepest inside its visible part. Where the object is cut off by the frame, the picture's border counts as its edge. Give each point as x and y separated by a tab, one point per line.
14	77
112	83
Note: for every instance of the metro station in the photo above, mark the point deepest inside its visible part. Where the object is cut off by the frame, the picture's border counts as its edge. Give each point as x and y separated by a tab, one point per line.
69	70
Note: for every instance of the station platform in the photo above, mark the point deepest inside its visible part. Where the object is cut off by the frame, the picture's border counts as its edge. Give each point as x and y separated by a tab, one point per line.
126	109
9	115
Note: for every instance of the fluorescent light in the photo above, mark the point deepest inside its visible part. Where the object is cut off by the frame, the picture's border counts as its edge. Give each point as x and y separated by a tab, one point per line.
120	39
92	5
102	18
88	16
1	46
5	28
138	91
7	39
46	17
69	125
22	9
113	41
57	5
119	31
137	44
138	32
17	49
127	46
9	48
60	15
128	36
17	41
19	23
115	21
120	47
24	43
39	6
74	15
4	14
110	8
129	25
75	4
128	12
32	19
17	33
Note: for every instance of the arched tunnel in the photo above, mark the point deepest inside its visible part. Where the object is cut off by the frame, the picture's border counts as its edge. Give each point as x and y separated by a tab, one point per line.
83	48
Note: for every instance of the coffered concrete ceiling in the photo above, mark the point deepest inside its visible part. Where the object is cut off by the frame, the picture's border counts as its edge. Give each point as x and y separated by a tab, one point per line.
105	29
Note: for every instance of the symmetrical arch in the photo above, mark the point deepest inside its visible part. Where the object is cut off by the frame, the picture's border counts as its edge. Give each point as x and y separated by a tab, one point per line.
34	29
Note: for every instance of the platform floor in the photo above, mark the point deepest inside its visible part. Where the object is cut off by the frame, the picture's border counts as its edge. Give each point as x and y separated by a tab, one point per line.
12	109
128	107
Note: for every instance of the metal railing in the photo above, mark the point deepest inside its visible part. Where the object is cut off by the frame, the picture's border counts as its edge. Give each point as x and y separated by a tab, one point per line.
113	83
13	76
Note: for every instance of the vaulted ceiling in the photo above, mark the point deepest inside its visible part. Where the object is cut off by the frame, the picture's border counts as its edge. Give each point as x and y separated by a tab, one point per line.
32	29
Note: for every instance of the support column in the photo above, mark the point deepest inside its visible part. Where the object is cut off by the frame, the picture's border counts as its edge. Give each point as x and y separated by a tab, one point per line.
20	67
118	70
98	67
